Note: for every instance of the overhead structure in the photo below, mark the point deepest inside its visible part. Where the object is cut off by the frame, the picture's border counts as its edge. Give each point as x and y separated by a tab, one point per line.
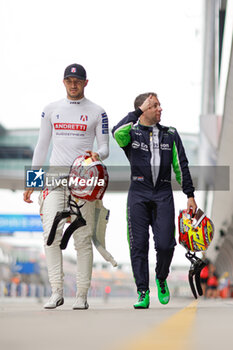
217	127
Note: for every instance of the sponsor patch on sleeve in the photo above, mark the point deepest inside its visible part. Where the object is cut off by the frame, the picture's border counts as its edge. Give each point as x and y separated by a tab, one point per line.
104	123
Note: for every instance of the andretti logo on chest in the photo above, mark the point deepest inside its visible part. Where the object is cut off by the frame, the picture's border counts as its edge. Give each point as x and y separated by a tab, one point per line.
70	126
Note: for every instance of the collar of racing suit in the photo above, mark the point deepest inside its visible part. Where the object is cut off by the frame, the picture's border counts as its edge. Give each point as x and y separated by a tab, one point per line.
150	128
75	101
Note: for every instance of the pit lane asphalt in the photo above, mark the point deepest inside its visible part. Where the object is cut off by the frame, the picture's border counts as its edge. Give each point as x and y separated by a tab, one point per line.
183	324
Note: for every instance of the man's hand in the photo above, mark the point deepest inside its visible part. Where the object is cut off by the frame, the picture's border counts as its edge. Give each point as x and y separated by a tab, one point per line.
94	156
191	205
147	104
27	196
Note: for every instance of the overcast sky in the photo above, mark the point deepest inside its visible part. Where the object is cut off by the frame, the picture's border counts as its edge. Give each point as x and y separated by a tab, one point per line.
127	47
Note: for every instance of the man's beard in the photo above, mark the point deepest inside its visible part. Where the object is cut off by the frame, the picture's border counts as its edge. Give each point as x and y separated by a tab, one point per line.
76	96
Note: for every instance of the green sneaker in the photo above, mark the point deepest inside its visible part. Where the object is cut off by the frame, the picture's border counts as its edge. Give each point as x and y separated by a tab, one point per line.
143	300
163	291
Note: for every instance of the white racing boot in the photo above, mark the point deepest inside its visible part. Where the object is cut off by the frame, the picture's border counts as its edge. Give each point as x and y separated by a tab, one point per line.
55	300
80	302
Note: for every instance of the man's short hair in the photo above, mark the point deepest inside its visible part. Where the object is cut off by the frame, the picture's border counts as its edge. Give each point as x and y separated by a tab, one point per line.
141	98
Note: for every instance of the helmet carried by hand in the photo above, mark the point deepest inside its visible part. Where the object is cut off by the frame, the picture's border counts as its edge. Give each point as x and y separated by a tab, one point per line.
195	233
88	179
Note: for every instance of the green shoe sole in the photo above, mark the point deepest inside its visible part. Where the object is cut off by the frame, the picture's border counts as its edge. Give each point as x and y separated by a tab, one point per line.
164	300
140	307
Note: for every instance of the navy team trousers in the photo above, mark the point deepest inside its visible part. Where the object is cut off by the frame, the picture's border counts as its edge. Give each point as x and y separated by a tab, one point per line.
155	210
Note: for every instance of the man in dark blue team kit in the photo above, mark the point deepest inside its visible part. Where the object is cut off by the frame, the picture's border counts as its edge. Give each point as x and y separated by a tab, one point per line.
152	149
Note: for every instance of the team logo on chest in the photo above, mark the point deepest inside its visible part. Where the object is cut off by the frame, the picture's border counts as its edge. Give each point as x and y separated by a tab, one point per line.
70	126
84	118
135	144
165	147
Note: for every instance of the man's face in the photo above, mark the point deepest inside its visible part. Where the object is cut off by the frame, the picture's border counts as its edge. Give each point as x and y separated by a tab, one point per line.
153	114
75	87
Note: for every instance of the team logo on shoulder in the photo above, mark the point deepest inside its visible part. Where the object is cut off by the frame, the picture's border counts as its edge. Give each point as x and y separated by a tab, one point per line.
171	130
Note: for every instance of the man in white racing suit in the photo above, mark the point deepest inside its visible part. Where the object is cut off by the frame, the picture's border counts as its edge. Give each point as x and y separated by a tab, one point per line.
72	124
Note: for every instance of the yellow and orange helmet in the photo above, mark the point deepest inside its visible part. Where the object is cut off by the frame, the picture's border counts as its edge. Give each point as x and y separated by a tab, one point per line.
195	233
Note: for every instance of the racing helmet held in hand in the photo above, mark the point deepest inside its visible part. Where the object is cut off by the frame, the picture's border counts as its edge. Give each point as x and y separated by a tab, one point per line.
195	233
88	179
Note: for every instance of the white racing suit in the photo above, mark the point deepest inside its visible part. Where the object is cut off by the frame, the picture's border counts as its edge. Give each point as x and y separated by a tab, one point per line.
96	217
72	126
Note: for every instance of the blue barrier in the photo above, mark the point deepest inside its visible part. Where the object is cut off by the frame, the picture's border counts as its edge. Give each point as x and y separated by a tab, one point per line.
20	222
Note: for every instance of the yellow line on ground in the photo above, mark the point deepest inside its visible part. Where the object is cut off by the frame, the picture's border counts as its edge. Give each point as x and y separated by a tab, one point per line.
172	334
